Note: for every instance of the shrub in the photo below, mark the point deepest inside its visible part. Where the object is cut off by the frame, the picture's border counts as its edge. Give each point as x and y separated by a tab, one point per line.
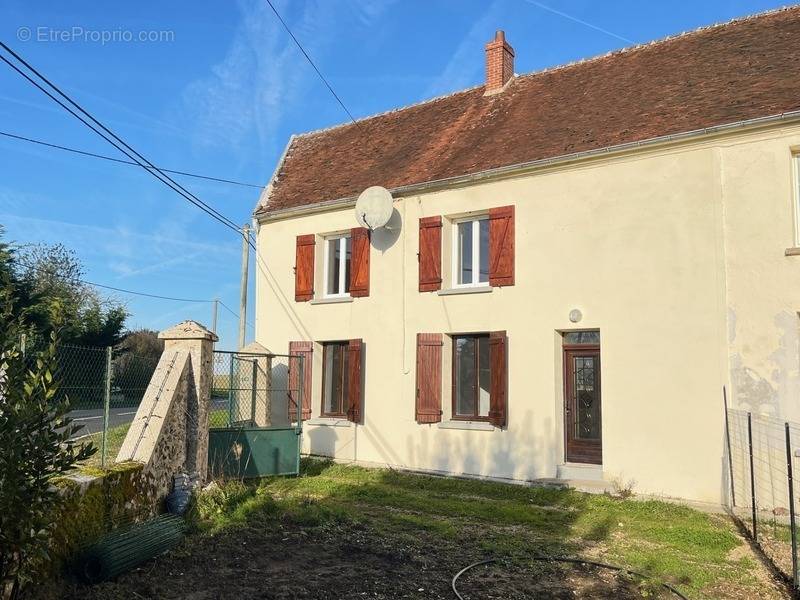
37	441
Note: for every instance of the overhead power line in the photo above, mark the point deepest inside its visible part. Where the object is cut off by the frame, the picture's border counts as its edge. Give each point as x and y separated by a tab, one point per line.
159	297
124	291
113	139
124	162
311	62
235	314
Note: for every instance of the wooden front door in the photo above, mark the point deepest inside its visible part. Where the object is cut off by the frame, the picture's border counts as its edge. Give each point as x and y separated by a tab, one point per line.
582	411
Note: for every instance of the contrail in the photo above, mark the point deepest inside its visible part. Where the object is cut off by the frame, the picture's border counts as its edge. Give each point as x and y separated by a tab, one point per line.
577	20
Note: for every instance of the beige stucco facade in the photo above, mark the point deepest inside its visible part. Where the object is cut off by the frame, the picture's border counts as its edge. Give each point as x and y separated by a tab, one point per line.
674	252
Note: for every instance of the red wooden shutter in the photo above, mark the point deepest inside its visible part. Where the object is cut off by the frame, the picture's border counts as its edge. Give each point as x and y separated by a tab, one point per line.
501	246
305	350
429	378
498	363
354	354
304	268
359	265
430	254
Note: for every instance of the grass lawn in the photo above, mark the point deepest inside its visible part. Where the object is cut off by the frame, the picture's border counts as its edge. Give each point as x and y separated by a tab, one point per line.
346	532
116	435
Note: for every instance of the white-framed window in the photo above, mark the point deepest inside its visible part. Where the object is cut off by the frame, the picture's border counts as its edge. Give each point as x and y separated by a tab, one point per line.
796	207
471	252
337	266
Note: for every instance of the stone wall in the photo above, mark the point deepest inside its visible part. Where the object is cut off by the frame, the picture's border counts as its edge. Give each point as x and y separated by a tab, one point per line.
98	501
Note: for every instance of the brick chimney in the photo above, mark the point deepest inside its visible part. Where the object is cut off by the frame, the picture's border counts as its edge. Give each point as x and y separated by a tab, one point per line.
499	62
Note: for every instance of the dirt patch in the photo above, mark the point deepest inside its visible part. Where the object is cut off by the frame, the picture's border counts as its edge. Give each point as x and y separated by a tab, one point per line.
556	581
342	561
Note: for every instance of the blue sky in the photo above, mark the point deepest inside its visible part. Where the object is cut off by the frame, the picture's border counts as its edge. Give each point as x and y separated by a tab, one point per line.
221	93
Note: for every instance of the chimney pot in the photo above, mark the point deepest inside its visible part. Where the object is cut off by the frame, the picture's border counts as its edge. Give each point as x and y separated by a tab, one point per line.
499	62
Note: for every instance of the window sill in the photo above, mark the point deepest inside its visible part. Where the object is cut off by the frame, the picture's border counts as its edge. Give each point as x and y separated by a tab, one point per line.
329	422
467	425
478	289
335	300
793	251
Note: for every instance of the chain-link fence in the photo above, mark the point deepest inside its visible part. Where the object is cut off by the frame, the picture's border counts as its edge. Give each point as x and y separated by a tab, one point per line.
104	387
762	488
252	390
257	407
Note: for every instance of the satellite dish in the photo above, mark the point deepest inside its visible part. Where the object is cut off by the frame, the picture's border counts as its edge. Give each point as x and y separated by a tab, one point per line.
374	207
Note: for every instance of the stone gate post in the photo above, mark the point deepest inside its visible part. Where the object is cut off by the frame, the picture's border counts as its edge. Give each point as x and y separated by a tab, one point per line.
198	342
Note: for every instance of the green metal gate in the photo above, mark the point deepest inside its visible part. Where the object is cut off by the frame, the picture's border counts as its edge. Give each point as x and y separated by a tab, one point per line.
255	429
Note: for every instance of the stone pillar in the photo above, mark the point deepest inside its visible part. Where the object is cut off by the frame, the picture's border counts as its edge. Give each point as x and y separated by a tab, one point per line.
191	337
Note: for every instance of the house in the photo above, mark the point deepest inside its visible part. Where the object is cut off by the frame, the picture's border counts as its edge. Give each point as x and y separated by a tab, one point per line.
578	261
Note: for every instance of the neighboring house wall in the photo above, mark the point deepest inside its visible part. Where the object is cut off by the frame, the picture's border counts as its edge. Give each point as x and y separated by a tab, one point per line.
668	252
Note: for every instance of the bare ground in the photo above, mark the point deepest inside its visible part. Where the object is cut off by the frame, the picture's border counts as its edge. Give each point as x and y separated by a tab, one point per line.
287	561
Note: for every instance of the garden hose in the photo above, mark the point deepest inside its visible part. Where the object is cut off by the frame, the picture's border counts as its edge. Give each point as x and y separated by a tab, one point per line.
577	561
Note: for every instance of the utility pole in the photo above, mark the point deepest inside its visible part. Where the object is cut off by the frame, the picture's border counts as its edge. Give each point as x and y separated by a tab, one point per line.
243	288
214	315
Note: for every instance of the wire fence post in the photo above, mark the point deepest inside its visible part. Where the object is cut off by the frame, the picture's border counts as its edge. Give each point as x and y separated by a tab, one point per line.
253	393
752	473
106	405
728	443
230	391
792	521
300	386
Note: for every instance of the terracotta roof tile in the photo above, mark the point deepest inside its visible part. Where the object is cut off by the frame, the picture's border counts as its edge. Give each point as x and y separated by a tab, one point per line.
722	74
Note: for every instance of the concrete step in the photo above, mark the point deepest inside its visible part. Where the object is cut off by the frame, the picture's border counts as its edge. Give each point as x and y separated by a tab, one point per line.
580	472
591	486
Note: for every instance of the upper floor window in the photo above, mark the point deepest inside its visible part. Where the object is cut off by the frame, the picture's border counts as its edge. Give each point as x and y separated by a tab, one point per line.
338	250
796	158
471	252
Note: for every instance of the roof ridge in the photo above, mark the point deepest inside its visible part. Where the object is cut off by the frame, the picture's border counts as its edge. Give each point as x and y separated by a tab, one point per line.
663	40
546	70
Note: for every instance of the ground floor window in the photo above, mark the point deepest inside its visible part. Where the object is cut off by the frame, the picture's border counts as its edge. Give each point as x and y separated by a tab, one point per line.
471	377
334	379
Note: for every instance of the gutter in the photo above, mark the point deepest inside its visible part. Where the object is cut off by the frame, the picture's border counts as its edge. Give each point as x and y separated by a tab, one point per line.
520	168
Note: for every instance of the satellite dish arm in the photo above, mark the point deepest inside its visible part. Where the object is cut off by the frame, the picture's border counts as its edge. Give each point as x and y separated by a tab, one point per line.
364	218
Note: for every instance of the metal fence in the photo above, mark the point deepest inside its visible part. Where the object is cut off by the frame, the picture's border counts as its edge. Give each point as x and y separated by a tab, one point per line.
253	390
254	421
762	453
104	387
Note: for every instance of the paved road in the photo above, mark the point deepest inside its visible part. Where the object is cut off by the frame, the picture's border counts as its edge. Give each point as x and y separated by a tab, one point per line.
92	419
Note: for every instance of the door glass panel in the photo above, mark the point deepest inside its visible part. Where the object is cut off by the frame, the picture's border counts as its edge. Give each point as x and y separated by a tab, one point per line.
484	377
587	406
582	337
327	405
465	375
335	378
464	258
